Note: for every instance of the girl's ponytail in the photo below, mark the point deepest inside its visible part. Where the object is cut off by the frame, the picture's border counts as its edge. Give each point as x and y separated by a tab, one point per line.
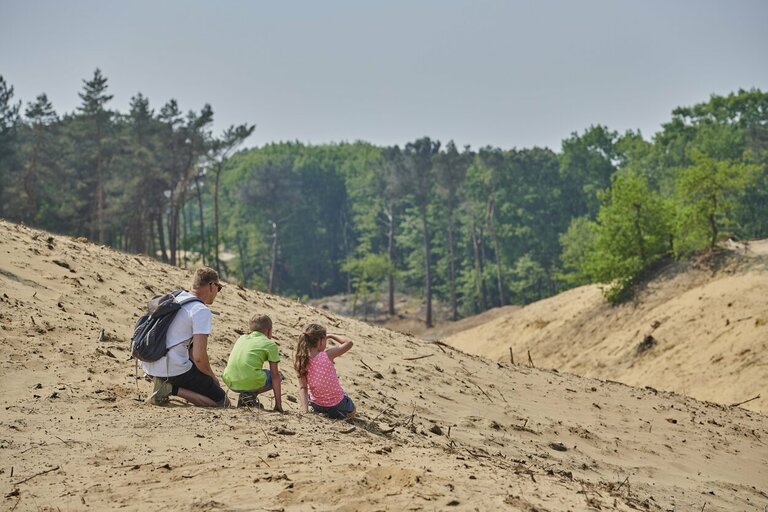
312	335
301	356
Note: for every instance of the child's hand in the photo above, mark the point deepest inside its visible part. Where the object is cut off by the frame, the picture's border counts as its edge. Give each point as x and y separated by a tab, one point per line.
278	409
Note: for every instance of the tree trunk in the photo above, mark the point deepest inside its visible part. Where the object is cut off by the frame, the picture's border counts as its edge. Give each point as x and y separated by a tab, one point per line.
100	201
344	224
99	185
427	268
173	227
391	256
477	247
199	194
452	268
241	250
29	183
185	236
713	223
216	241
489	217
273	263
639	233
151	242
161	238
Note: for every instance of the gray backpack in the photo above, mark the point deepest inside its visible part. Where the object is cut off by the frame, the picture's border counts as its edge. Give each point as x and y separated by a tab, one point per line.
148	340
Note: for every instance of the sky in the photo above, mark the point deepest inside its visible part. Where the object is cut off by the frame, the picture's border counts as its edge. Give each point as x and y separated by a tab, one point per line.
501	73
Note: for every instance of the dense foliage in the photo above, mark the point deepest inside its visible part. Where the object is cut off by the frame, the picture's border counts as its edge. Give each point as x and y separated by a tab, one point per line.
473	228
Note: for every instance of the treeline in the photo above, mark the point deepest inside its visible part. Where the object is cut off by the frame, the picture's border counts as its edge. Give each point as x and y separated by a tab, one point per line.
127	180
473	228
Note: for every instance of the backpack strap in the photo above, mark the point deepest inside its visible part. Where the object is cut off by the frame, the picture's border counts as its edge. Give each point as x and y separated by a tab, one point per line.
189	300
176	293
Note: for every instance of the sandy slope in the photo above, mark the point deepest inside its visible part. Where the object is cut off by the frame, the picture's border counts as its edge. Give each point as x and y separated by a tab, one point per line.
439	429
700	331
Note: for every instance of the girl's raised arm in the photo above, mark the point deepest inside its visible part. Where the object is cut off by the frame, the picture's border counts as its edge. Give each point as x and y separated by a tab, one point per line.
345	345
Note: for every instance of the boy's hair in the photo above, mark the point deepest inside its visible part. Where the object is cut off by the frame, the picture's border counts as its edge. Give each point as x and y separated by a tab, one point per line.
261	323
313	334
204	276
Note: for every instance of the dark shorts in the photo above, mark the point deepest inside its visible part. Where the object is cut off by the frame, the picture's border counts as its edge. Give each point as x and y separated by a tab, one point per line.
198	382
339	411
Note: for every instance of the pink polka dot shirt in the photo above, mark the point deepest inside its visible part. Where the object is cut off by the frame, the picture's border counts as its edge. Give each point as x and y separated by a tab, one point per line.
323	382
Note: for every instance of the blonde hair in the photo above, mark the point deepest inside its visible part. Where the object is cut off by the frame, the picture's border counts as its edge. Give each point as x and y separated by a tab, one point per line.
261	323
311	337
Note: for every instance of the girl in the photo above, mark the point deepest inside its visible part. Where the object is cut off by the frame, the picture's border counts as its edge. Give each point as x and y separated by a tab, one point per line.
317	375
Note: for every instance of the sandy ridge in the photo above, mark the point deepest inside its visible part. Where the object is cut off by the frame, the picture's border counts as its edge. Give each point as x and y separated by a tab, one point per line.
439	429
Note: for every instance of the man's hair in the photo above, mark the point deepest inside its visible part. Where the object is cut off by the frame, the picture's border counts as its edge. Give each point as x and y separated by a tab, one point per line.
204	276
261	323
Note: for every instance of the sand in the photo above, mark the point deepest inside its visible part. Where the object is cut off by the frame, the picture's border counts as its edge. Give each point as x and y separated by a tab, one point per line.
698	330
438	429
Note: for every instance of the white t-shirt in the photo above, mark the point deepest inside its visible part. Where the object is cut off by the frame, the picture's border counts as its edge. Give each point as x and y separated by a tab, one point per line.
193	318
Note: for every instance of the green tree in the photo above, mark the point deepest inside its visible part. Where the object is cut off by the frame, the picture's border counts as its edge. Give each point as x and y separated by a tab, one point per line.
185	141
40	155
368	272
587	163
95	149
706	196
632	233
451	169
220	150
527	276
9	162
140	177
578	244
420	180
484	177
391	200
272	186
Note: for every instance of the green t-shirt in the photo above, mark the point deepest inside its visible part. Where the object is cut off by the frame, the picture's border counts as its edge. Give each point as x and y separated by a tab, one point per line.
244	368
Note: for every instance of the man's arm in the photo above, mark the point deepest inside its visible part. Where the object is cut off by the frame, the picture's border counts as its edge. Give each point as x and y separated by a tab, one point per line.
303	394
335	352
276	386
200	355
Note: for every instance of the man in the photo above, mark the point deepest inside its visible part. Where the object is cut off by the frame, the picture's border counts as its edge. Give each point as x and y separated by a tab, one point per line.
244	373
185	370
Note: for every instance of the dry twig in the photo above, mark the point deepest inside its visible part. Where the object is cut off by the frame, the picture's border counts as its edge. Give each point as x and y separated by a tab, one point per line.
415	358
36	474
745	401
265	433
482	390
367	366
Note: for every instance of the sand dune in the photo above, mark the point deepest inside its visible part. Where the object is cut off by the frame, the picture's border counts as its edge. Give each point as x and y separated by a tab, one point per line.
438	430
697	330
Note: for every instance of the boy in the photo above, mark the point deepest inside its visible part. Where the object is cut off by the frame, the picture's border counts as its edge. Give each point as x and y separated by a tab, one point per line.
244	373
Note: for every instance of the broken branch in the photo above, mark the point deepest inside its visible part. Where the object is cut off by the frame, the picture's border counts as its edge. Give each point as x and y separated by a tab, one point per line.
418	357
745	401
35	475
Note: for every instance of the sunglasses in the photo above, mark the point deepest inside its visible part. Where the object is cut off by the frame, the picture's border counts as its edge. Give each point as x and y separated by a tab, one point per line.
218	286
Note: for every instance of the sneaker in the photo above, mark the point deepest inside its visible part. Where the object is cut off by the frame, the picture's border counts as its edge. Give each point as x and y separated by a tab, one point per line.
249	400
161	391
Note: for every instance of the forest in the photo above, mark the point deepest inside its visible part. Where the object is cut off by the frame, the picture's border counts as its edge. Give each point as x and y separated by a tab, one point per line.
474	228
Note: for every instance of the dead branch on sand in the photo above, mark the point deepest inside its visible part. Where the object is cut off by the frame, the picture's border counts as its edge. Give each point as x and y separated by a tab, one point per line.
35	475
418	357
745	401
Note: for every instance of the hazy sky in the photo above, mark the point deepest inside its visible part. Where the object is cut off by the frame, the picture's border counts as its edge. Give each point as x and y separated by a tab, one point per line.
504	73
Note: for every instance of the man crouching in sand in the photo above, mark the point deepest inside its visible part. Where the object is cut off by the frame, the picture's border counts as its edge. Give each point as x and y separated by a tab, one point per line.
185	370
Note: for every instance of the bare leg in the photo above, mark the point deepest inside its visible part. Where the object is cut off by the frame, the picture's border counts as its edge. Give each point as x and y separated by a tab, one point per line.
196	398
